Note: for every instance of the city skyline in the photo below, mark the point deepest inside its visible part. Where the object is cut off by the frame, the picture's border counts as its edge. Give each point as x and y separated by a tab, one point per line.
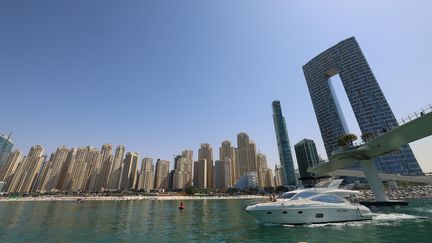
73	81
87	169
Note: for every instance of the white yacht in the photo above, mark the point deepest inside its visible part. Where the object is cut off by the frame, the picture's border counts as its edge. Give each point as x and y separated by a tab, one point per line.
309	207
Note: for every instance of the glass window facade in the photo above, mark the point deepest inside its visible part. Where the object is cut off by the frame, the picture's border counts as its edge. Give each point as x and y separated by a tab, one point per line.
370	107
284	148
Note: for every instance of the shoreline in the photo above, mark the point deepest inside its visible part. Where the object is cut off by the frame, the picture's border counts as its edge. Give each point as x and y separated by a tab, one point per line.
403	193
125	198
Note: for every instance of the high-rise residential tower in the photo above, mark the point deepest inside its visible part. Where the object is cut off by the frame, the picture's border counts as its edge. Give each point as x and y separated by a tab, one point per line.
227	153
107	160
80	172
269	178
307	157
373	113
222	174
64	170
161	174
182	177
200	173
114	178
10	167
27	174
52	170
129	171
146	178
206	152
245	155
284	147
262	170
94	168
72	162
278	176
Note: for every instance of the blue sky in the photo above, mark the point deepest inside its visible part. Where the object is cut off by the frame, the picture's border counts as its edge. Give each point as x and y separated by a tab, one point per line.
164	76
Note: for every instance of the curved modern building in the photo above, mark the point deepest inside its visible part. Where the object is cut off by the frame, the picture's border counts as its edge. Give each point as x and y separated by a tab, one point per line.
370	107
284	147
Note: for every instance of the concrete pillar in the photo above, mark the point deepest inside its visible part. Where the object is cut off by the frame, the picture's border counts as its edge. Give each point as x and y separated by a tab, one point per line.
393	185
373	179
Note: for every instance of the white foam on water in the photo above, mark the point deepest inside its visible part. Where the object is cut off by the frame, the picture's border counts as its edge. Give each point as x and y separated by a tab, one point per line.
378	219
393	217
288	225
423	210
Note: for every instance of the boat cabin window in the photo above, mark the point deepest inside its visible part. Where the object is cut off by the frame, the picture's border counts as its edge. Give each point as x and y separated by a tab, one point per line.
328	198
287	195
319	215
303	195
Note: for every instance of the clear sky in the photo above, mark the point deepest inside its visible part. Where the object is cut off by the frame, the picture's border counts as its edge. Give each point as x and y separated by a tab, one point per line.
164	76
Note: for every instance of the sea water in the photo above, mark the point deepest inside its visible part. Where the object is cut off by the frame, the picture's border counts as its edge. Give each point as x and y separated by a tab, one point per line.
200	221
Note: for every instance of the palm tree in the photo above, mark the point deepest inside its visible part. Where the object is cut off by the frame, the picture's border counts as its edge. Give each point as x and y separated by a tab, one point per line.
367	136
342	142
346	139
350	138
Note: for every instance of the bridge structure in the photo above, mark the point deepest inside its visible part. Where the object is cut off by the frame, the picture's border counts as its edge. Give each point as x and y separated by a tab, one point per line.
384	176
411	128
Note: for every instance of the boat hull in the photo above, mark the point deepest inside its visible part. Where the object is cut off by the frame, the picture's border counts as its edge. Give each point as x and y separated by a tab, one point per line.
316	215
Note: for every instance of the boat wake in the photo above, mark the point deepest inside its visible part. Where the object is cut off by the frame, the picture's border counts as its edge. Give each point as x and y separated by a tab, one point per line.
378	219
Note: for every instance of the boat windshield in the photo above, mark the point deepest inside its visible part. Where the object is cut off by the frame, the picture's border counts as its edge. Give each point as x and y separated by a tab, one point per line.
328	198
303	195
287	195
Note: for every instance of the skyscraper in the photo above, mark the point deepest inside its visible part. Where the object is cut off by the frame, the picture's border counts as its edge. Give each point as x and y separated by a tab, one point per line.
5	148
284	147
227	153
10	167
307	157
278	176
161	174
200	173
106	166
182	177
245	155
368	102
129	171
28	172
145	181
72	161
262	170
206	152
222	174
187	157
269	178
114	178
187	154
51	172
63	171
94	168
80	172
